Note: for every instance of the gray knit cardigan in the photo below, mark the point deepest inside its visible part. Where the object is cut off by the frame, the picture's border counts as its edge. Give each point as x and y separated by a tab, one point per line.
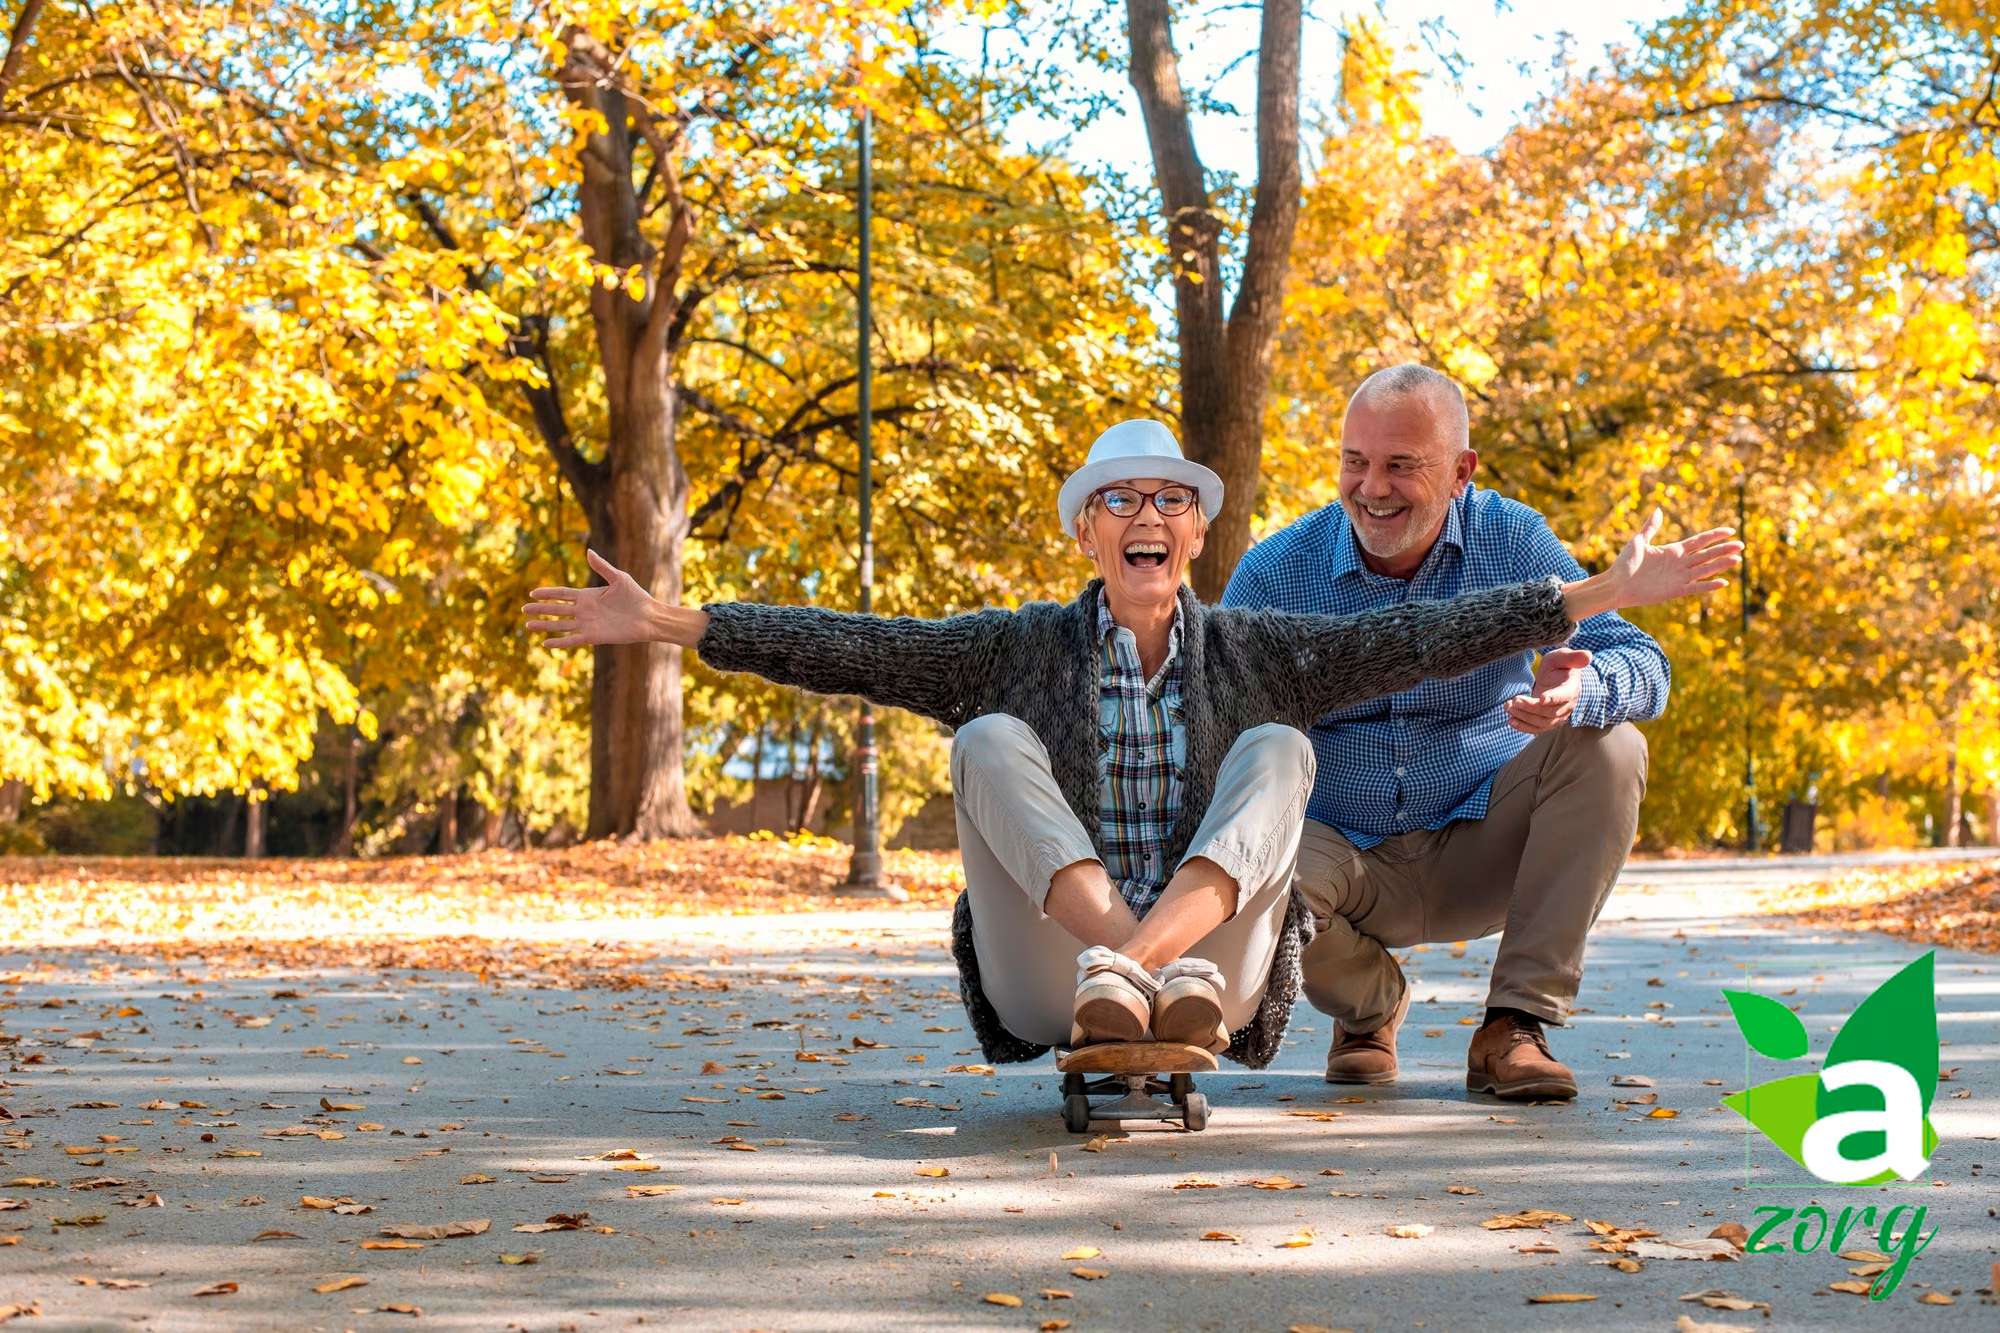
1240	668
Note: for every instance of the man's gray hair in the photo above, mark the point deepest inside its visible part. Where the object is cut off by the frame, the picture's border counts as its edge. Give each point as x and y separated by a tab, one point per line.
1435	390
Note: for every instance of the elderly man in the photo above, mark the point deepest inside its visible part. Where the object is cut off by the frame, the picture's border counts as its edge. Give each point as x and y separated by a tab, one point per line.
1504	799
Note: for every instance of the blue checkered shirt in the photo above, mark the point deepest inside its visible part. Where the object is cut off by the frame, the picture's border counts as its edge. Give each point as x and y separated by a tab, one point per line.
1427	756
1142	747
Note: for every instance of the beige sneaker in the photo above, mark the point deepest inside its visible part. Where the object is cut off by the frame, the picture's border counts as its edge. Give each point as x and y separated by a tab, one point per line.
1114	998
1188	1007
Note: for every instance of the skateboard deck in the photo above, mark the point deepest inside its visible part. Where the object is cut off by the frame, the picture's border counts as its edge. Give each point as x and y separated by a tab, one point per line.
1129	1085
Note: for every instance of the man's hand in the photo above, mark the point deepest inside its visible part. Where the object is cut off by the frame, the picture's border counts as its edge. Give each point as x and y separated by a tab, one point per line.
1552	698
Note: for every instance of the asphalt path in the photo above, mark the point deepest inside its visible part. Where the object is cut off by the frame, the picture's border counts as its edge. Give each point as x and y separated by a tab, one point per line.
786	1125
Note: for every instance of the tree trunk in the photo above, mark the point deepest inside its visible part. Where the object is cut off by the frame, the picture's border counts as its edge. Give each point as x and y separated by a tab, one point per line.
1225	364
636	501
447	832
1993	816
13	795
350	807
493	828
253	832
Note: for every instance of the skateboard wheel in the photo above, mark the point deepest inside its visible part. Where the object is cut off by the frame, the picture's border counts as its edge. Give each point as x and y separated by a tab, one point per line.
1076	1113
1180	1085
1072	1085
1194	1112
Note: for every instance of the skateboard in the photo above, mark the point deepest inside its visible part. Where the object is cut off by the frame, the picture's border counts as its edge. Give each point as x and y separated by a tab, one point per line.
1133	1069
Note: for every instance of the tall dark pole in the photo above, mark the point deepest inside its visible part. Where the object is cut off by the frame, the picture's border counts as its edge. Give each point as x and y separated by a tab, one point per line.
1750	830
864	870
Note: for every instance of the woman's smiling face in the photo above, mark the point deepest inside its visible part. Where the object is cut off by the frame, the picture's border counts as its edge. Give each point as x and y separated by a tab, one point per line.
1142	558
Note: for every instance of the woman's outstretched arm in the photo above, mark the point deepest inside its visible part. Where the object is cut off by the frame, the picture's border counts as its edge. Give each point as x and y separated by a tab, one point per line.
938	668
1343	660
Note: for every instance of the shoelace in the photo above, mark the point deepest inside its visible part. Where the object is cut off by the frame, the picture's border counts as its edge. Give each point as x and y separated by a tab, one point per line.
1520	1030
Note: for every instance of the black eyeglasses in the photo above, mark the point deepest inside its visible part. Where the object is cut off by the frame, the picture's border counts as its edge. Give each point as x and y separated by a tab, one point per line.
1124	501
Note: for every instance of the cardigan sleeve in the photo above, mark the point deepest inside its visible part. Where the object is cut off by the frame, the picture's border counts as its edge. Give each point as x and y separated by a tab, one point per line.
941	669
1343	660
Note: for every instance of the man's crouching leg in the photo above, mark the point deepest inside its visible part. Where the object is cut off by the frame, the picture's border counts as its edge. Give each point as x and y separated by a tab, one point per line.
1363	903
1562	815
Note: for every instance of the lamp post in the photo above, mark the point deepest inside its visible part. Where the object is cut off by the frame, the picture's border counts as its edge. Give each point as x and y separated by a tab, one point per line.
864	868
1743	441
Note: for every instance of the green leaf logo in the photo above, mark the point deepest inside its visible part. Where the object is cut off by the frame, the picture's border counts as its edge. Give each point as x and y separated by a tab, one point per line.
1894	1029
1769	1027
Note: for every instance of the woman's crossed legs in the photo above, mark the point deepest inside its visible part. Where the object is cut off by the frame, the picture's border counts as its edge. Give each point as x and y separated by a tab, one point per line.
1040	896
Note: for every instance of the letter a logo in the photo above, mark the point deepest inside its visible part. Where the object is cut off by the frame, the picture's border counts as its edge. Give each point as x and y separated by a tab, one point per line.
1865	1118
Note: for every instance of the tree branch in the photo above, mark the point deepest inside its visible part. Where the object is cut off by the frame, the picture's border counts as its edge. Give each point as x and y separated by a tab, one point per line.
17	44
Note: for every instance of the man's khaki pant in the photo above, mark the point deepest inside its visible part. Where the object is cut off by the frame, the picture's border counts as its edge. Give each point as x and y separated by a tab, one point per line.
1015	831
1538	867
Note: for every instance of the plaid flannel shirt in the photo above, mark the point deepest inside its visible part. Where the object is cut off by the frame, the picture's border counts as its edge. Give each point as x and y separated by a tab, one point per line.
1142	747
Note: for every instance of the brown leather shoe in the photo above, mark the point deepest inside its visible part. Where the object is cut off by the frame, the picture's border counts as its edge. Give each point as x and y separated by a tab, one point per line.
1367	1057
1510	1057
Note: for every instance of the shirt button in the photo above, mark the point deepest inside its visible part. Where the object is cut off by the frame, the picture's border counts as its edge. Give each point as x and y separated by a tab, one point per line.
1142	805
1399	773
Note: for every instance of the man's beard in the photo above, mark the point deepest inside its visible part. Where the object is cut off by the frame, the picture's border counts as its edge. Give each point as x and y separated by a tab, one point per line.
1419	526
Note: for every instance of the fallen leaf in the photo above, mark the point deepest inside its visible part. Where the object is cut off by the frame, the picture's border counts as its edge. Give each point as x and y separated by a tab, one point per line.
217	1289
392	1245
1935	1298
1722	1300
1734	1232
1559	1298
934	1171
556	1222
1090	1274
1709	1248
1408	1230
1850	1287
1461	1189
1274	1183
529	1258
1528	1219
1082	1252
342	1283
1630	1081
437	1230
1229	1236
1296	1241
1002	1298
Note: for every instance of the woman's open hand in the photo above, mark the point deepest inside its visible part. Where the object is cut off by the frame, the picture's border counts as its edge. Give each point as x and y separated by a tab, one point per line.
1644	574
619	612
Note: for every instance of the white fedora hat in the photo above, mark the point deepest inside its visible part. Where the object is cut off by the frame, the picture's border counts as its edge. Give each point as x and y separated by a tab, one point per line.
1132	451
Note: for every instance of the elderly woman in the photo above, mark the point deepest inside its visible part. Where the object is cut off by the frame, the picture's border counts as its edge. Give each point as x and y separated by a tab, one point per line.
1130	768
